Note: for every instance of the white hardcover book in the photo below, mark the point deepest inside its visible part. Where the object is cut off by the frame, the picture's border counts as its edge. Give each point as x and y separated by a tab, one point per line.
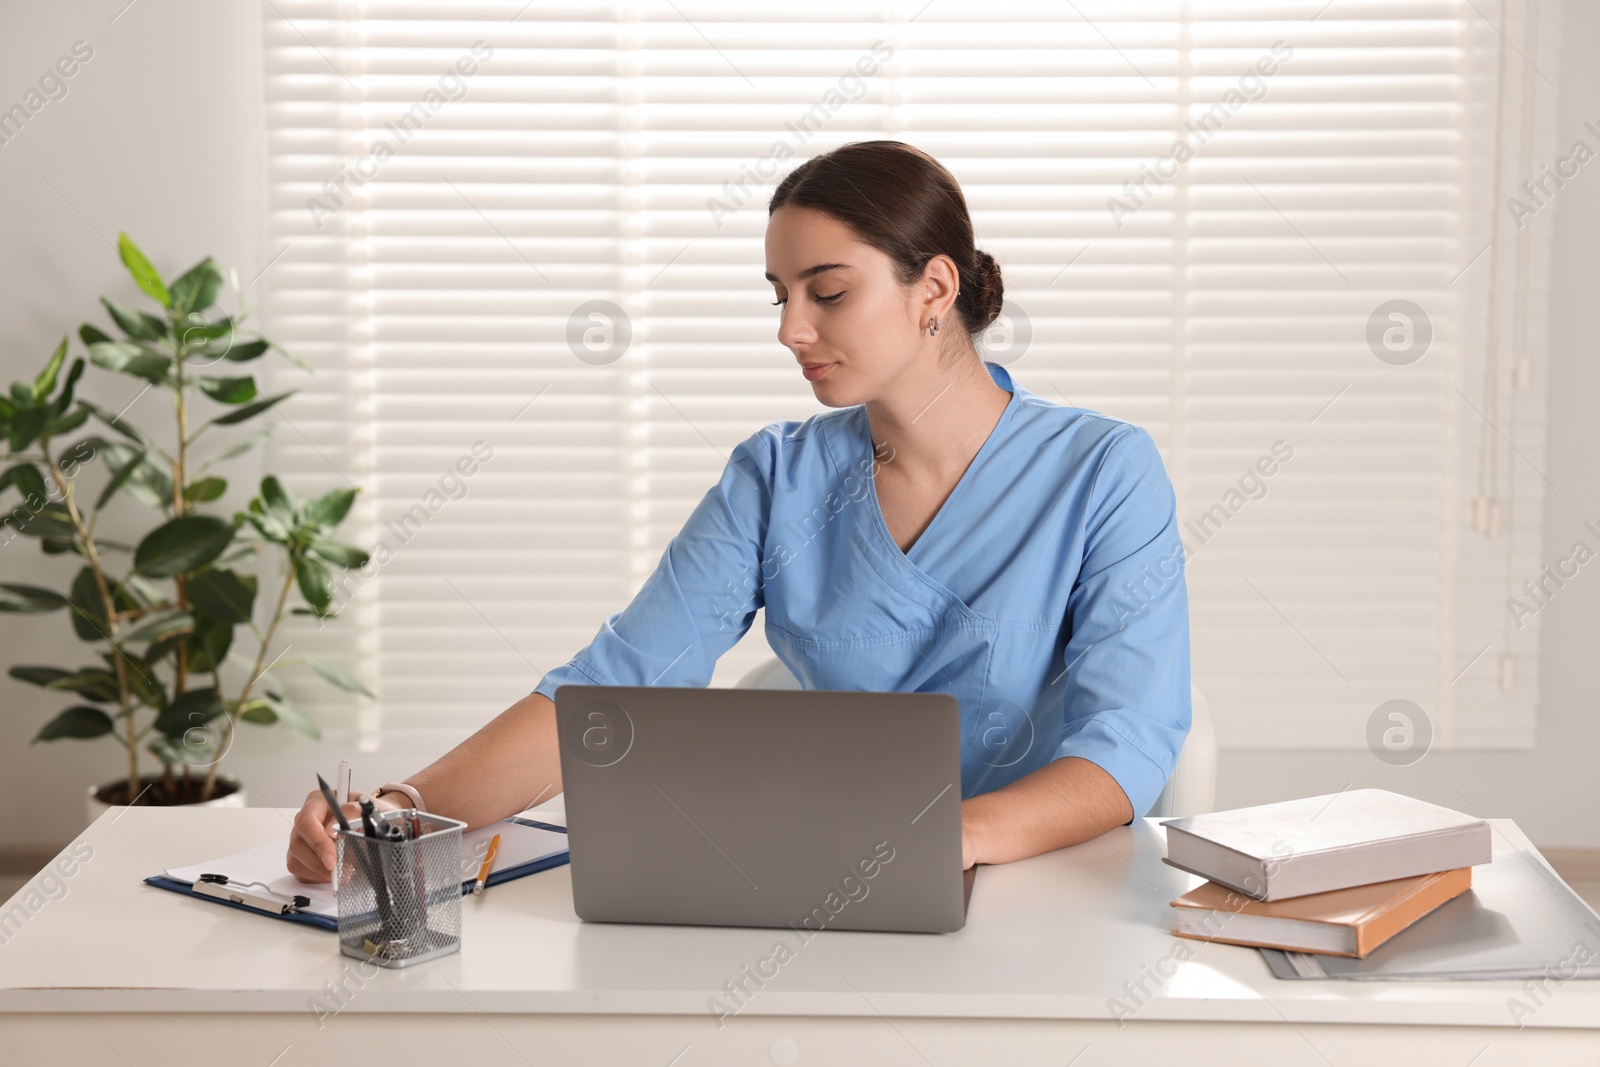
1318	844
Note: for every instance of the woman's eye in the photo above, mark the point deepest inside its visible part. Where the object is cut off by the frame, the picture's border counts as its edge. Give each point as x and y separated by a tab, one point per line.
824	299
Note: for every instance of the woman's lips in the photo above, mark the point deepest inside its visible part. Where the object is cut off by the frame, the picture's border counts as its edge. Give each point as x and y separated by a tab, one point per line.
813	373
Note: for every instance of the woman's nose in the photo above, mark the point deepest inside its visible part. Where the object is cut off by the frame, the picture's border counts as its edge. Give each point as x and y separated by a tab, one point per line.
793	329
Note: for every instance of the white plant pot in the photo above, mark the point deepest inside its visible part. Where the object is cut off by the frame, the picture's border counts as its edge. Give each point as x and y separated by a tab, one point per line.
95	807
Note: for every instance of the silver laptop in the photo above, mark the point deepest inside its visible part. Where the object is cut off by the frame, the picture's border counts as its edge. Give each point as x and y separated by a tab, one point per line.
809	809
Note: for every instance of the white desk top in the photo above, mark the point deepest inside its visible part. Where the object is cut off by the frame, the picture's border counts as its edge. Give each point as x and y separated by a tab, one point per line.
1055	936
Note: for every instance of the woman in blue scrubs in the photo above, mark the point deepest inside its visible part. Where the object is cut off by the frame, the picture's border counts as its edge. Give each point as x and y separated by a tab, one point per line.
941	529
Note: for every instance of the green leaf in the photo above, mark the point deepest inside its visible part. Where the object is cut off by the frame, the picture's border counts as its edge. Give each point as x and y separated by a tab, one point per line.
160	650
339	555
45	383
78	454
164	750
205	490
134	323
88	608
116	423
191	710
149	482
229	390
29	599
181	545
223	594
338	677
249	411
259	711
143	591
289	713
197	289
244	353
209	646
330	508
144	275
130	359
92	683
197	333
143	685
268	526
80	722
29	482
67	423
26	426
49	523
157	625
119	475
279	501
316	584
64	401
40	676
93	335
238	552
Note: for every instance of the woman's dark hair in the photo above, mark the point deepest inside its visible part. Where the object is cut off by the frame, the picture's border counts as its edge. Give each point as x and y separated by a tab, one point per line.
901	201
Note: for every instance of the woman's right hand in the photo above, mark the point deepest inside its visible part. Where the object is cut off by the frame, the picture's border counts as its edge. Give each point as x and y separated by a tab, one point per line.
312	849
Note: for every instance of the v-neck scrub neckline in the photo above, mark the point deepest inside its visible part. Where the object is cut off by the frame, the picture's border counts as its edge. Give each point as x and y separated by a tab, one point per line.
978	458
1046	594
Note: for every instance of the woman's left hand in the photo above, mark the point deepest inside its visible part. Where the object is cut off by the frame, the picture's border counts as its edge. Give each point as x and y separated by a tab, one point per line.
969	845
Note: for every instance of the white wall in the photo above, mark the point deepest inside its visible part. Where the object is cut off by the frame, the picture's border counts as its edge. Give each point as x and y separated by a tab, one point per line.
161	135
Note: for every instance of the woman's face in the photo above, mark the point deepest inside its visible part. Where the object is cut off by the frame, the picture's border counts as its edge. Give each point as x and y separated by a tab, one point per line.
852	315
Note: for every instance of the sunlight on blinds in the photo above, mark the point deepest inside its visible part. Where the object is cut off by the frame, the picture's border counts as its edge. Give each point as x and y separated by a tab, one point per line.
522	245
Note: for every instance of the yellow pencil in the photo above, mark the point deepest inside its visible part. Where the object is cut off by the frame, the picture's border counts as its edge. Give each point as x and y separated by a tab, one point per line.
488	862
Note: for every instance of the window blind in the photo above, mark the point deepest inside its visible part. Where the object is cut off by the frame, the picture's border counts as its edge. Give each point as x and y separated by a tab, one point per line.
1277	236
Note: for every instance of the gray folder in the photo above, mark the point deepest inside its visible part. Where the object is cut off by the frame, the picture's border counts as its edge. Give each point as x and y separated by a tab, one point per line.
1519	920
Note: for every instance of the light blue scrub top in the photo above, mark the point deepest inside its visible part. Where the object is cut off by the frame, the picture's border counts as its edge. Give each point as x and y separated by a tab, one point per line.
1047	594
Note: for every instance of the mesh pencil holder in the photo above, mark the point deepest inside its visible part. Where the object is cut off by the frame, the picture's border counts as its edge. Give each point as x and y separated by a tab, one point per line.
400	901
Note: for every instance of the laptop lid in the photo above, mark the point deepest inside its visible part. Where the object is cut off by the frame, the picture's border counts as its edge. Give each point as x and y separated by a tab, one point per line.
820	809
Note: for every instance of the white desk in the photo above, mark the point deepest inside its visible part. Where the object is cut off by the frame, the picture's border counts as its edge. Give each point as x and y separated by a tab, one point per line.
118	972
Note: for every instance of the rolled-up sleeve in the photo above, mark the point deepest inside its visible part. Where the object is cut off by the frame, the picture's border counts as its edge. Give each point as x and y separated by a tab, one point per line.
702	596
1126	702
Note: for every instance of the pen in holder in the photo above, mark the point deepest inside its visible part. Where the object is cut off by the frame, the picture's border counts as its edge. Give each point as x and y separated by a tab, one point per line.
400	891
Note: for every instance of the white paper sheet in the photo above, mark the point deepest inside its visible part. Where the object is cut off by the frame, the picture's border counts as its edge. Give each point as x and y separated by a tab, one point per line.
519	844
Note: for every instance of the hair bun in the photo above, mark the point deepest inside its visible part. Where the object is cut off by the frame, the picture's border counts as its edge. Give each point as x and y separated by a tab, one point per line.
989	291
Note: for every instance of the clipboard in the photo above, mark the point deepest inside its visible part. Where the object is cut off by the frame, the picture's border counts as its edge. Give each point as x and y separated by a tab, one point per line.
324	922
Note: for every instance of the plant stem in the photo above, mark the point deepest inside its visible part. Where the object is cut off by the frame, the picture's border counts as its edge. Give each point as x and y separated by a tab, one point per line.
255	675
179	466
110	607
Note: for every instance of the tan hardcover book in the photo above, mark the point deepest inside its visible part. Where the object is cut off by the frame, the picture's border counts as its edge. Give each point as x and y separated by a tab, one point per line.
1345	922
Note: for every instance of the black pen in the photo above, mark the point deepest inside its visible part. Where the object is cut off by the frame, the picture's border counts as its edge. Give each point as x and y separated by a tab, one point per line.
380	884
366	819
344	823
363	859
333	805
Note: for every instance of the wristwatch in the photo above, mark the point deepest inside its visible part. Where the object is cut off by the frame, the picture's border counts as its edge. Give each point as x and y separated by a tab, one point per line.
400	787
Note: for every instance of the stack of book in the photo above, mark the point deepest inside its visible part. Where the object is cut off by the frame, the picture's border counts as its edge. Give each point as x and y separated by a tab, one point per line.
1338	874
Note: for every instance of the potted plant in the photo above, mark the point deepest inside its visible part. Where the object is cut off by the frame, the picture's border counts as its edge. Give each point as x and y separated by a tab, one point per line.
162	614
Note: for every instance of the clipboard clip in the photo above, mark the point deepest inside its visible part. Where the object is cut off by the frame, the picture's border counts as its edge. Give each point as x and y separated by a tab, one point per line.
251	894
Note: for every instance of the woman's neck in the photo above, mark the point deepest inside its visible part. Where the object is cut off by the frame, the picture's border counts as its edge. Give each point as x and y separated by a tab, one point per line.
933	421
